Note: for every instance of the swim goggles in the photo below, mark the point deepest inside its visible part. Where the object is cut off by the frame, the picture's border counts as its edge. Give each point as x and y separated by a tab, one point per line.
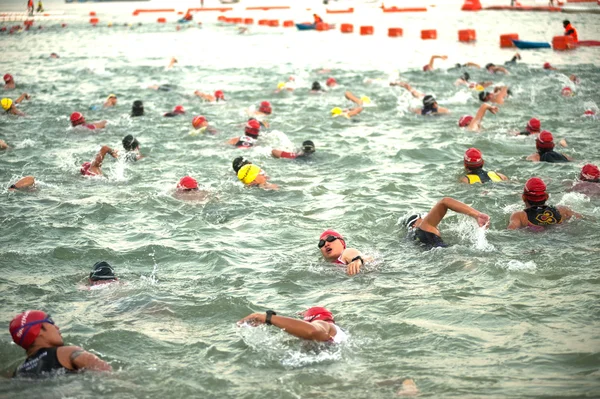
328	239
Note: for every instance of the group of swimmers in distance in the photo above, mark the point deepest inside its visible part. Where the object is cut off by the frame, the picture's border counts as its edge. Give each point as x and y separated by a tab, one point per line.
36	332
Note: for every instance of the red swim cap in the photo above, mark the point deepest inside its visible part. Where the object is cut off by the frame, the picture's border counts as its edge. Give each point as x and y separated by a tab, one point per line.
547	65
265	108
198	121
534	124
187	183
567	92
334	234
426	68
318	313
544	141
589	112
330	81
535	190
24	329
8	77
179	109
465	120
590	172
77	119
219	95
252	127
473	159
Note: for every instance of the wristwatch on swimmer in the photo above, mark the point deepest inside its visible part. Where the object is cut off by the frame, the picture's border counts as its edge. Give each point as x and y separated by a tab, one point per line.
358	258
270	314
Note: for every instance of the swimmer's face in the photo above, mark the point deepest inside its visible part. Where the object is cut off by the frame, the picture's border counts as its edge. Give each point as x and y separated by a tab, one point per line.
332	250
51	334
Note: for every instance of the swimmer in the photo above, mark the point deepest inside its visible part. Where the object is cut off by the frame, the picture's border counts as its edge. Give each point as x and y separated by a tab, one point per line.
423	228
512	61
200	124
318	324
430	105
534	126
491	68
3	145
9	82
264	109
178	110
549	67
102	273
331	82
137	109
78	121
465	65
238	163
537	213
474	124
132	148
567	92
429	67
94	168
251	132
464	80
54	55
496	97
544	144
25	183
165	87
289	86
316	87
349	113
308	148
10	107
473	161
172	63
570	30
252	175
574	79
589	181
218	96
187	189
47	354
111	101
333	248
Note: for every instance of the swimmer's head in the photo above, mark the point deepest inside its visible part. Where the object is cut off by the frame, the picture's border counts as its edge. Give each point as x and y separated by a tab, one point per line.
102	271
280	86
199	121
219	95
566	23
265	107
248	173
316	86
317	313
465	76
6	103
337	111
547	65
26	327
365	100
130	143
137	109
77	119
308	147
473	159
484	96
574	79
112	98
187	183
428	101
410	221
331	82
590	173
465	120
8	78
488	66
426	68
535	191
457	66
238	163
567	92
544	141
252	128
54	55
179	109
534	125
327	235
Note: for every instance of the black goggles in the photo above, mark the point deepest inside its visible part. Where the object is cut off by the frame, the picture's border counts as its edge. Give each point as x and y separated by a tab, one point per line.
328	239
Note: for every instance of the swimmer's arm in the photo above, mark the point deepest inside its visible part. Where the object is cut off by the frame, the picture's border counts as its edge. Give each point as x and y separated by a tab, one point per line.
353	267
515	221
276	153
533	157
570	158
568	213
353	98
442	110
22	97
100	124
16	111
464	179
233	141
354	112
563	143
475	123
3	145
439	210
101	154
25	182
472	65
299	328
503	177
501	69
75	358
433	58
204	96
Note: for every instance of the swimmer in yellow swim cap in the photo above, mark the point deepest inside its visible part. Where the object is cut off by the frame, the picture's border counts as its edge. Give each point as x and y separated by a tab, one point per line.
9	106
349	113
111	101
251	175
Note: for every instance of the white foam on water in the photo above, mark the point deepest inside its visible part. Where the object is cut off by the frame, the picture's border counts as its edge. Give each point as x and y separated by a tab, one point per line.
25	144
469	230
517	265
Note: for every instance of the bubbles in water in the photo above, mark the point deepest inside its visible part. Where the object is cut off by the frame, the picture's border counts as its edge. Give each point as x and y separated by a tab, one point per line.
468	230
516	265
25	144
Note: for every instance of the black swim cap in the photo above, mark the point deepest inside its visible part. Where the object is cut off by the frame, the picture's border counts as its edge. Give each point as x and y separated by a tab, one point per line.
137	109
483	95
239	162
566	22
428	101
457	66
130	143
102	271
316	86
308	146
465	76
489	65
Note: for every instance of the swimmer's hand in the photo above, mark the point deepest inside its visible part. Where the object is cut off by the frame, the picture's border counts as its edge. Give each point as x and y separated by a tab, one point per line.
354	267
114	153
255	319
493	109
483	220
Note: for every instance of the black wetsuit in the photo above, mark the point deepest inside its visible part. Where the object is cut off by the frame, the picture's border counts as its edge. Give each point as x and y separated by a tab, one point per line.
43	363
543	215
429	111
552	157
483	175
425	238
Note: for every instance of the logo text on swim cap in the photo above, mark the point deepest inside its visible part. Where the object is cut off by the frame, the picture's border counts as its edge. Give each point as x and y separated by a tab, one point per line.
23	322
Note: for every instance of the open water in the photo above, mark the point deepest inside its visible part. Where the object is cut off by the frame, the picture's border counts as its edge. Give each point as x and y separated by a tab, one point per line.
499	314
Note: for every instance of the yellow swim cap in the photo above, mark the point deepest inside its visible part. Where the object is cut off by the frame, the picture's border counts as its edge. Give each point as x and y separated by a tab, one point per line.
280	85
110	96
337	111
6	103
479	88
247	174
365	100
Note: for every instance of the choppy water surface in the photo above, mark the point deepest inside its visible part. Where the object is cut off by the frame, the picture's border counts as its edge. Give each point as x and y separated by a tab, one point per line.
498	314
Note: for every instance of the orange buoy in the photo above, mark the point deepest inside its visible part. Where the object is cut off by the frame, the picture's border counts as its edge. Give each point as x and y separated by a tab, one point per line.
221	18
236	20
561	43
264	22
347	28
506	40
248	21
161	20
92	13
274	22
321	26
471	5
429	34
366	30
395	32
288	24
466	35
94	21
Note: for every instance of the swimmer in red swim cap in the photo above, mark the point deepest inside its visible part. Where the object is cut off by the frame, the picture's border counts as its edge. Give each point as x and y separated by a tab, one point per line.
94	168
178	110
251	132
474	124
218	96
333	248
589	181
47	355
544	143
187	189
473	162
78	121
9	82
